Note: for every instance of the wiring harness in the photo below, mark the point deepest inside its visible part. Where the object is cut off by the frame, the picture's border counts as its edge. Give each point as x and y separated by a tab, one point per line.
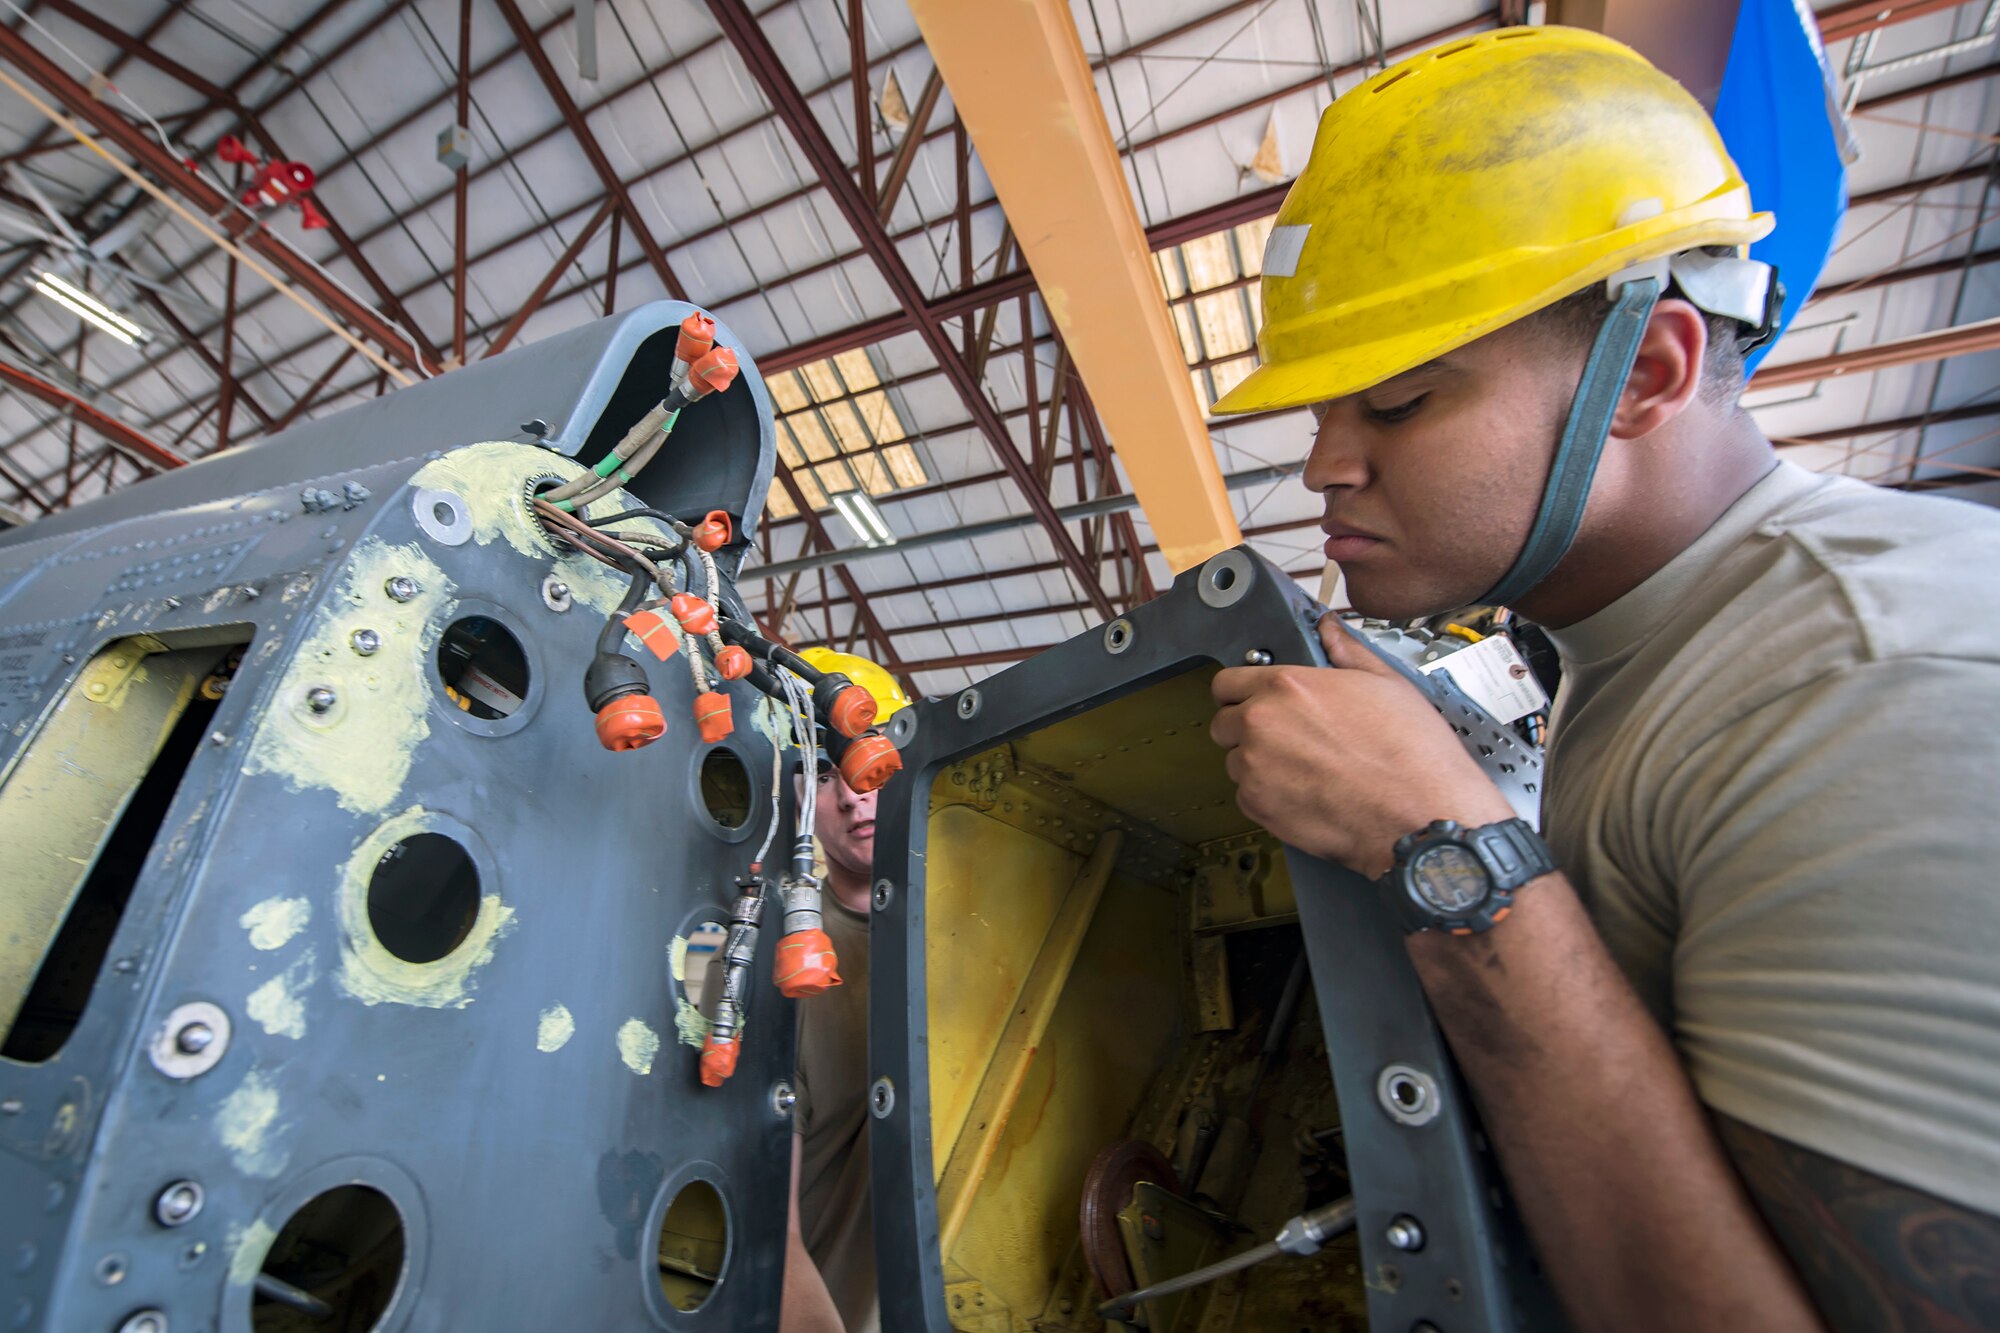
675	603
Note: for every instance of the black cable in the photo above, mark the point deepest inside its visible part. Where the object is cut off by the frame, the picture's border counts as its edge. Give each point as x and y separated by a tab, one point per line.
614	629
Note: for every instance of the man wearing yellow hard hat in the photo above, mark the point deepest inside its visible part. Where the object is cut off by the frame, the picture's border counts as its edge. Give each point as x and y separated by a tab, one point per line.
1740	1052
830	1259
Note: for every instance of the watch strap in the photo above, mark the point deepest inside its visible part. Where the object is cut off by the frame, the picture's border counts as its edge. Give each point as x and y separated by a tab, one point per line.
1512	852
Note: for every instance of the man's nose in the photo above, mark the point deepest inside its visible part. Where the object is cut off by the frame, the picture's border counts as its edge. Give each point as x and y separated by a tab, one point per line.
1336	461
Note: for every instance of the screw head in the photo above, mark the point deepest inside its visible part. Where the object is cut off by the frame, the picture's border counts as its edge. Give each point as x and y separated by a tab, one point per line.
145	1321
1406	1233
366	642
1256	657
178	1203
401	588
321	698
194	1038
783	1099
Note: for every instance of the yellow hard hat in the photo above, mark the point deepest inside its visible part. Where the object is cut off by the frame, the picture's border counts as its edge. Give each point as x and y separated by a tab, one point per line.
1466	187
888	695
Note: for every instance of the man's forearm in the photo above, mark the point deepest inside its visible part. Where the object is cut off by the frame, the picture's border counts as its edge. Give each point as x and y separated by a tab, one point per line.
1633	1208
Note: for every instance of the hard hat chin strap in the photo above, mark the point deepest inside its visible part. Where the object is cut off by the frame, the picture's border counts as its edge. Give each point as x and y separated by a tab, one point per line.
1582	444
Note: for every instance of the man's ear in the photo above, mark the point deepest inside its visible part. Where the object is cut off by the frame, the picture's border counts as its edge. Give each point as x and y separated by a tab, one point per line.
1666	375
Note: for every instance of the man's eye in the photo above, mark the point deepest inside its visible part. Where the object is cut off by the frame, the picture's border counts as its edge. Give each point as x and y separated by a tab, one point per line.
1400	412
825	778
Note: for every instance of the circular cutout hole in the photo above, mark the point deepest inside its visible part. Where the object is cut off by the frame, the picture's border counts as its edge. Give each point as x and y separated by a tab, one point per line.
1406	1092
483	667
725	787
702	966
335	1265
694	1245
1224	579
423	897
444	513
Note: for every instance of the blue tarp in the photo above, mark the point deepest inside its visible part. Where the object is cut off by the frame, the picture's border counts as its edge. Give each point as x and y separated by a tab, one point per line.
1779	117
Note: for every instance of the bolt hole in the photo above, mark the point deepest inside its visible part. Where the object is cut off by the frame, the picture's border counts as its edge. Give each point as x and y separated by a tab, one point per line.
694	1245
483	668
444	513
1408	1094
423	898
1224	579
343	1249
725	787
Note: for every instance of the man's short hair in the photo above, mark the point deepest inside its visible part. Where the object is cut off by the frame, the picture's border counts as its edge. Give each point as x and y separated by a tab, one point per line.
1577	318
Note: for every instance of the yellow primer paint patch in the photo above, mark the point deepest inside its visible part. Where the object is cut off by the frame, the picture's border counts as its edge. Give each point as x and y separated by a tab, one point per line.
279	1005
361	748
637	1045
677	958
247	1122
555	1029
273	922
247	1248
373	975
690	1027
493	480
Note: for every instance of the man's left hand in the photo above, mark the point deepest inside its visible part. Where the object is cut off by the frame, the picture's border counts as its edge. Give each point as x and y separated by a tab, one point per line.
1342	761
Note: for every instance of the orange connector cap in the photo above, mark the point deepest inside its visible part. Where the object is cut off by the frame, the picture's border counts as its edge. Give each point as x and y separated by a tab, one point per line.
697	336
651	629
718	1059
733	663
711	716
852	711
870	761
805	965
631	721
712	533
715	372
695	615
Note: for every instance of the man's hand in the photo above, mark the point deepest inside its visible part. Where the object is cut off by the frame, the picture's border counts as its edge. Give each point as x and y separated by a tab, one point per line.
1344	761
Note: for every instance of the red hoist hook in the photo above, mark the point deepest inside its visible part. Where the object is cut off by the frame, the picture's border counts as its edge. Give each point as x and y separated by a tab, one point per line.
273	184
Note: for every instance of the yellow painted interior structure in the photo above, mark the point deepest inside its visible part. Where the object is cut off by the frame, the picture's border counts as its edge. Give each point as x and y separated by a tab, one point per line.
1087	888
68	787
1022	84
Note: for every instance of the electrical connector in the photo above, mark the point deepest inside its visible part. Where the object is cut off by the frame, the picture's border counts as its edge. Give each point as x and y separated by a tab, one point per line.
871	760
712	716
696	615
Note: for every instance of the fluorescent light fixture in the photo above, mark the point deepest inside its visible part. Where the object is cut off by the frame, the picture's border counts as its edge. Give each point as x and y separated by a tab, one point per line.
88	308
866	520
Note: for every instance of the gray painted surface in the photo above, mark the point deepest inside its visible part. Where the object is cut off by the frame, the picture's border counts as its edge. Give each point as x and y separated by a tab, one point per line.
531	1183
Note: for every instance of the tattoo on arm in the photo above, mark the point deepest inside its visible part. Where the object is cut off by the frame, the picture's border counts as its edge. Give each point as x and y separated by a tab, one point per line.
1875	1255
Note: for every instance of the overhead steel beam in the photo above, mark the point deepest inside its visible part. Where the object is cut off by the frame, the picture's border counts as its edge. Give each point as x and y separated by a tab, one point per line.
1838	22
144	451
1109	504
586	139
1936	345
1891	426
609	209
771	75
1937	268
163	167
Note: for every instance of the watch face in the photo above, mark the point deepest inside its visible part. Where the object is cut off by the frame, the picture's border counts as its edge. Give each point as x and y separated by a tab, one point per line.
1449	879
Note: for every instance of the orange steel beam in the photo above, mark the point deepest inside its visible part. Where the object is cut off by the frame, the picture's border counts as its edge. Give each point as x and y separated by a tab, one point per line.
1023	86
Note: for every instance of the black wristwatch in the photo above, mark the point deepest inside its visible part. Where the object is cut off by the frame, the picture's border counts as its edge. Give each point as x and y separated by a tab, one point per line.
1463	880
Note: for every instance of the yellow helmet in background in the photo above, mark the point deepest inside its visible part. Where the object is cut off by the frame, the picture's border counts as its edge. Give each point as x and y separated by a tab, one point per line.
888	695
1467	187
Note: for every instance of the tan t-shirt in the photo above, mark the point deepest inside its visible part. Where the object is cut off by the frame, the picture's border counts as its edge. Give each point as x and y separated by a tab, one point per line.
1773	779
831	1118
